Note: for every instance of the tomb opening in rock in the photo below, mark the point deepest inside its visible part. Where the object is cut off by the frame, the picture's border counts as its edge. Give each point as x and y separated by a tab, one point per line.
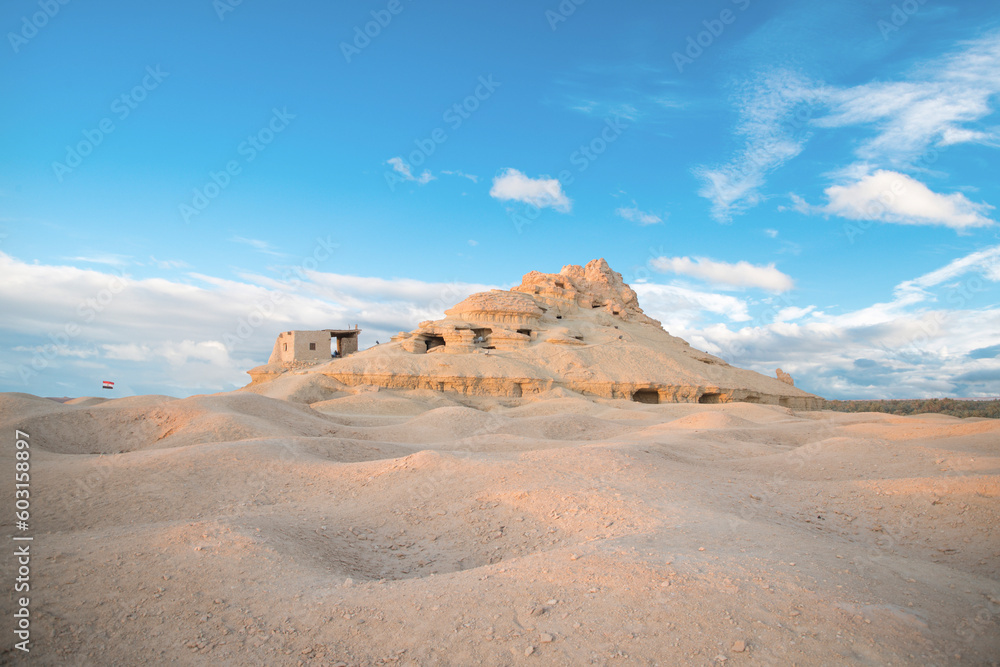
646	396
547	337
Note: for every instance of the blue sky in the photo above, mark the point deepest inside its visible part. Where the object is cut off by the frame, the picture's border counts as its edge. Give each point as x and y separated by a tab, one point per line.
806	186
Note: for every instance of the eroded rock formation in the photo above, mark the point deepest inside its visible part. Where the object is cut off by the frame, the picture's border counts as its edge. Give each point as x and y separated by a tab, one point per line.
580	329
785	377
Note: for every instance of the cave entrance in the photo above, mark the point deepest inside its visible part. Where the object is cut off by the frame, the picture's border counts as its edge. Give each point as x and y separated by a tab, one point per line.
646	396
710	398
481	336
434	341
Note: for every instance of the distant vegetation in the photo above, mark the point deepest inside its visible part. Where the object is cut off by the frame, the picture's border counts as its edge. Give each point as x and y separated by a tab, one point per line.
915	406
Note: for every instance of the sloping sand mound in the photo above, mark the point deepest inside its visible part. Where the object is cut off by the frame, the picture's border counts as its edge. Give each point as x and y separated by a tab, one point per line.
130	424
710	420
299	388
85	401
380	405
411	528
18	406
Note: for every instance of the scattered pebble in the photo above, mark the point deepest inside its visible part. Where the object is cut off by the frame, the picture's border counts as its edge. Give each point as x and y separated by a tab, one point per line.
545	638
739	646
529	650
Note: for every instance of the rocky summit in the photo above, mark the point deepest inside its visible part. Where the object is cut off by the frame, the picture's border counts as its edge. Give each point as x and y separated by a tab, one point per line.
580	330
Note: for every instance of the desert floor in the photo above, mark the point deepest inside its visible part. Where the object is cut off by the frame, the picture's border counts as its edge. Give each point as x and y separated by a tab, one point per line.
433	529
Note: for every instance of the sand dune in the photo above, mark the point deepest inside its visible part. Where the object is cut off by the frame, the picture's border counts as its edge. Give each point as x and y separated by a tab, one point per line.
305	522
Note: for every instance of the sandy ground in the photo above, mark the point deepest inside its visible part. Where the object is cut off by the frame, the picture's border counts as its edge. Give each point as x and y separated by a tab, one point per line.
421	529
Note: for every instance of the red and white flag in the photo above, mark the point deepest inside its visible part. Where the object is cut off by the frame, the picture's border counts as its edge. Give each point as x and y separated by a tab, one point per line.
108	384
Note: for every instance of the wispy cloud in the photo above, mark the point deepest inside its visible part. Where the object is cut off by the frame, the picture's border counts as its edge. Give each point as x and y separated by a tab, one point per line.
935	106
906	346
634	214
258	245
723	274
681	307
107	260
169	263
471	177
543	192
199	335
404	170
772	136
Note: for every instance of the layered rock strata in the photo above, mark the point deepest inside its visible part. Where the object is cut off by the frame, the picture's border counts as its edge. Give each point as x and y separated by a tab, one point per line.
580	329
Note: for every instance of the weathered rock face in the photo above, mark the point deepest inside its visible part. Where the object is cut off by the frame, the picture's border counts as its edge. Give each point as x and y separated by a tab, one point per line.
785	377
580	329
592	286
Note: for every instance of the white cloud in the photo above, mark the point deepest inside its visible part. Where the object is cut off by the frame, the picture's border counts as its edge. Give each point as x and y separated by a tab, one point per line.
889	196
679	307
932	108
634	214
196	336
543	192
471	177
772	233
909	346
792	313
740	274
404	170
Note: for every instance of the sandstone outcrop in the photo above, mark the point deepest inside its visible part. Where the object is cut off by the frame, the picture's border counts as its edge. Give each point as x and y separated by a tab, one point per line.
581	329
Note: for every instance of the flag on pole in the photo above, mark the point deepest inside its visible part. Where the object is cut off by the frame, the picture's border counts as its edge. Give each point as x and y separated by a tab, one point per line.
108	384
